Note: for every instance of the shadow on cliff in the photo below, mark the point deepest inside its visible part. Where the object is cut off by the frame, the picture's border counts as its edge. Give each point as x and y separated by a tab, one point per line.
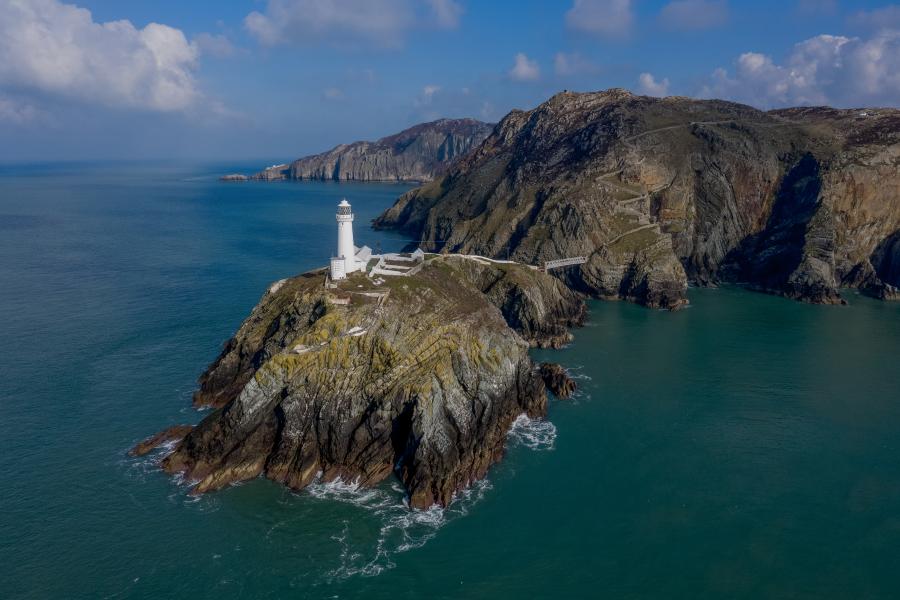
794	254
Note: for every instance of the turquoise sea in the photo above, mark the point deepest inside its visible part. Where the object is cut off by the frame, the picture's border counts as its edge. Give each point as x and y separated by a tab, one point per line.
747	447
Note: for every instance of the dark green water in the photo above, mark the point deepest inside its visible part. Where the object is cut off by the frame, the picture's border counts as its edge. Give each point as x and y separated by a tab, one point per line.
746	447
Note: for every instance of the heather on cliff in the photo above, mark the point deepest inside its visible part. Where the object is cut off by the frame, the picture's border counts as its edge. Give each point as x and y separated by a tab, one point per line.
421	376
661	192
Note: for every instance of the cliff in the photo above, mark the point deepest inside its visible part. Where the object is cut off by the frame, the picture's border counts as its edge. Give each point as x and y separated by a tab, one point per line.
661	192
420	376
416	154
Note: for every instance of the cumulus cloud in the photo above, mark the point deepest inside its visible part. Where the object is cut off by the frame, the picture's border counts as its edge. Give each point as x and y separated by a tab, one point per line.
568	64
524	69
694	14
382	22
649	86
606	18
826	69
56	49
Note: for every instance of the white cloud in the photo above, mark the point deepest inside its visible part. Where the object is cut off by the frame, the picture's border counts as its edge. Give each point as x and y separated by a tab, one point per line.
57	49
882	18
825	69
447	13
333	93
568	64
524	69
216	45
648	85
694	14
607	18
426	97
382	22
429	90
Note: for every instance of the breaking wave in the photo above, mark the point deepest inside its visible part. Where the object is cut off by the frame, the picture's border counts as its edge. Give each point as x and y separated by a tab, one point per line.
536	434
401	529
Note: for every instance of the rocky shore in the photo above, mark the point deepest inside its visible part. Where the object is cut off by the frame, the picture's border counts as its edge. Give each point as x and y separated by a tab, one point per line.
419	377
660	192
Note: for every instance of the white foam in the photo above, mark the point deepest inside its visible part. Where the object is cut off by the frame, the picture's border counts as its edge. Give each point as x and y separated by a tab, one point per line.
401	528
536	434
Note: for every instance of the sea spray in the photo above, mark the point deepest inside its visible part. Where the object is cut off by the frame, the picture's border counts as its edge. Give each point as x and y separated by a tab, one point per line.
535	434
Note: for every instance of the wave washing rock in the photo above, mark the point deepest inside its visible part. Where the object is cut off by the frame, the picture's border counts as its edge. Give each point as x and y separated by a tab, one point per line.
421	376
660	192
416	154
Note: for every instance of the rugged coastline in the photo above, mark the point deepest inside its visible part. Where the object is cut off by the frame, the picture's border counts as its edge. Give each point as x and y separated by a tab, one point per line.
660	192
419	377
417	154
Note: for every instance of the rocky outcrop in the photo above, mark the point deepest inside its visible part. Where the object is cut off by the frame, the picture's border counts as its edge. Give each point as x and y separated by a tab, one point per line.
416	154
170	434
234	177
420	376
557	380
657	193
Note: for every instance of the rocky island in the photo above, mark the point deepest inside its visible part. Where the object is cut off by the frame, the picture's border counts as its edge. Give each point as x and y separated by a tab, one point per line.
419	153
419	376
660	192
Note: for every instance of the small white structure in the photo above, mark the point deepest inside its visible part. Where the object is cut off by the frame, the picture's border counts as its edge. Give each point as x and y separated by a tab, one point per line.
349	258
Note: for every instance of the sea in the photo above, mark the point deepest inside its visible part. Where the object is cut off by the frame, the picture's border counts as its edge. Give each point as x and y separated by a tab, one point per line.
746	447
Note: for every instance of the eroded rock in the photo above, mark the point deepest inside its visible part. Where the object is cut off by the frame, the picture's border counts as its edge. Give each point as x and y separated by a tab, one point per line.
660	192
419	377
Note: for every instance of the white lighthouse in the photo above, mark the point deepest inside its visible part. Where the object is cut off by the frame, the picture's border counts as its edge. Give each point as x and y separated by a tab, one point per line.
345	261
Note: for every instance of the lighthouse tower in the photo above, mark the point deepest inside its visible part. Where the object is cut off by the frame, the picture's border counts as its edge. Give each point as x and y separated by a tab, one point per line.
345	261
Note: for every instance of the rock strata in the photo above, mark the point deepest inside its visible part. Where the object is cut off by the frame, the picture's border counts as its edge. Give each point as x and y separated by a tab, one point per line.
420	377
660	192
419	153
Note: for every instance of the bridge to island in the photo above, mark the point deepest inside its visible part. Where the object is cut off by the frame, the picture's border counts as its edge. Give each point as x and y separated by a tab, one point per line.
564	262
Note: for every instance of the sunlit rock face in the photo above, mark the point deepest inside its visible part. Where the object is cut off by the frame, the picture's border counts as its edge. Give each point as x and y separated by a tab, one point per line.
658	193
419	153
419	376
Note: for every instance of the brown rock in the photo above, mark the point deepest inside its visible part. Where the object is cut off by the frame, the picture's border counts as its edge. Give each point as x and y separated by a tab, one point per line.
557	380
175	432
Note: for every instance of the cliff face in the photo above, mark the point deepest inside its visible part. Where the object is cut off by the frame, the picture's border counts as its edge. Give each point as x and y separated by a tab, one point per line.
421	376
416	154
659	192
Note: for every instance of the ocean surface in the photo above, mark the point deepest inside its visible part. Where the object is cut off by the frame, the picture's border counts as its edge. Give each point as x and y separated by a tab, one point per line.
747	447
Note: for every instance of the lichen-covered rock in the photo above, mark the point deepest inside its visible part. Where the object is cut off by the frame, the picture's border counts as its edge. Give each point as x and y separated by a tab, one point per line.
416	154
421	376
660	192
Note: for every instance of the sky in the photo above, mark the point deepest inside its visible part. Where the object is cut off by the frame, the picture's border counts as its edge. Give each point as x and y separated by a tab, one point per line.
278	79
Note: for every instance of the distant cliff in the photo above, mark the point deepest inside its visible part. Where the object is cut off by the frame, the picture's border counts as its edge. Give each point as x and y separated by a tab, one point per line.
660	192
419	153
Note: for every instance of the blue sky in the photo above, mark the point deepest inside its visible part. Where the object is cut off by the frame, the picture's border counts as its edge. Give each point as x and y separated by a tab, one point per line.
281	78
